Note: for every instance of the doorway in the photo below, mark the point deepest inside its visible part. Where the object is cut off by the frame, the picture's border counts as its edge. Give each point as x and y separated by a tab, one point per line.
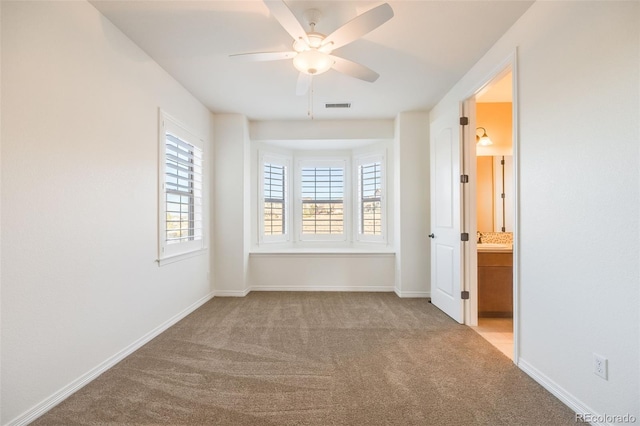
491	209
453	193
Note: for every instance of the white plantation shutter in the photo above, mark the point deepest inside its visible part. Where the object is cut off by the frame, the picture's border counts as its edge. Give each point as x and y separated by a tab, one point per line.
322	192
370	191
371	205
322	200
274	208
274	199
181	190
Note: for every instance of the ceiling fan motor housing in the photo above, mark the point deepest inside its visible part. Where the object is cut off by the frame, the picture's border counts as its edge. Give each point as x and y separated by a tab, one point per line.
315	42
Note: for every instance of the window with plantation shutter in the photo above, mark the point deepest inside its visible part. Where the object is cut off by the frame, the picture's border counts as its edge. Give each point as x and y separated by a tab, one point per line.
370	186
274	216
322	187
308	200
181	193
371	208
274	209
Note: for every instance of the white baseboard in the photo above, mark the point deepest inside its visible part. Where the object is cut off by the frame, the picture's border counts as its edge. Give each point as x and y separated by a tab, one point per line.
412	294
232	293
562	394
386	289
59	396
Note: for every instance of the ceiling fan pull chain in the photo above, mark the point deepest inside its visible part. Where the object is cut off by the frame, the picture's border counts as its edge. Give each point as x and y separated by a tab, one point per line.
310	106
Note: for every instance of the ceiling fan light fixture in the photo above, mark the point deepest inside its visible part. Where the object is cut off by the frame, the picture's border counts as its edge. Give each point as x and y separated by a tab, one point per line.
312	62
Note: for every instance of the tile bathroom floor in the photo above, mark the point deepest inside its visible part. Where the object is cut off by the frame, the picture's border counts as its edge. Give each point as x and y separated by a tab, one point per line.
498	332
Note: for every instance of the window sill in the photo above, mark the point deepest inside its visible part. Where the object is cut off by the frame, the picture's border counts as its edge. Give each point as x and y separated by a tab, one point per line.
321	252
182	256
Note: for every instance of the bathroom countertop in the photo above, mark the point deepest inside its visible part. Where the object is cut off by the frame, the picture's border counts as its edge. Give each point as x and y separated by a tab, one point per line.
495	248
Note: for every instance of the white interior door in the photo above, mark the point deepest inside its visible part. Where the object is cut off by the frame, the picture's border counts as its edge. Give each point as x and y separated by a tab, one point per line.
446	282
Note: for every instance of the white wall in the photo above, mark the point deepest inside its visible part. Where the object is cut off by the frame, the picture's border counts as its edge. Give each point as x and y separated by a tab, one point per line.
231	212
412	215
322	130
80	284
579	217
322	272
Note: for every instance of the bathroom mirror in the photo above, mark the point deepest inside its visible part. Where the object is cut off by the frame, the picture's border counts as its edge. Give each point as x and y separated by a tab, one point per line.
494	193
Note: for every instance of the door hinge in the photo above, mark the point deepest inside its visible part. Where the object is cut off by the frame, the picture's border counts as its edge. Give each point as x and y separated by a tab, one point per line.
464	121
464	295
502	195
464	236
464	178
504	229
502	162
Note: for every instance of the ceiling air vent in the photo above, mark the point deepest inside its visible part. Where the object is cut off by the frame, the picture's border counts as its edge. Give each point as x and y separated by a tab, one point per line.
342	105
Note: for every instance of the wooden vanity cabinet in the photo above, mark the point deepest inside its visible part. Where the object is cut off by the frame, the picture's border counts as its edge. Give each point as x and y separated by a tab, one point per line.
495	284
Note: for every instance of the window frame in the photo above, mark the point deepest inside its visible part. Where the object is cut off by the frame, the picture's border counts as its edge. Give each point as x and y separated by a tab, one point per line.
295	241
283	161
360	161
323	162
178	250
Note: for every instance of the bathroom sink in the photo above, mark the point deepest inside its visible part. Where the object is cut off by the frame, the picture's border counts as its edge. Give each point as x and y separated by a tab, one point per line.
495	247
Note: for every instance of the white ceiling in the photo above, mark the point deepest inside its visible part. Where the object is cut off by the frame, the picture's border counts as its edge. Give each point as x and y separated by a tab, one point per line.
420	53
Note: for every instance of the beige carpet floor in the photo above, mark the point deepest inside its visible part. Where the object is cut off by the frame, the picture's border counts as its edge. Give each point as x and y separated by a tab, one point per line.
314	359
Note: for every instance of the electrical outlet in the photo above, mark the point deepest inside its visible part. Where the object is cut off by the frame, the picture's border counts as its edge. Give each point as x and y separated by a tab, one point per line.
600	365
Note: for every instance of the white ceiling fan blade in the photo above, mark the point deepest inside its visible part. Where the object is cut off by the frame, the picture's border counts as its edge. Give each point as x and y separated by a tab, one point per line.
304	82
353	69
287	19
359	26
263	56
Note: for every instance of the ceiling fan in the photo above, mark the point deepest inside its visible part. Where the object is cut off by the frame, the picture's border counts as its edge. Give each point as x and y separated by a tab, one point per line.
311	52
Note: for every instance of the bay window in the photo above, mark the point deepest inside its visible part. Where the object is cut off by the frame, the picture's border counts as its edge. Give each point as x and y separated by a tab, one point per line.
327	200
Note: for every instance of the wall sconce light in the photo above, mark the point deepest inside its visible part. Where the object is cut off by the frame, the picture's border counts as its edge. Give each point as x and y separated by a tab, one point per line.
484	139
